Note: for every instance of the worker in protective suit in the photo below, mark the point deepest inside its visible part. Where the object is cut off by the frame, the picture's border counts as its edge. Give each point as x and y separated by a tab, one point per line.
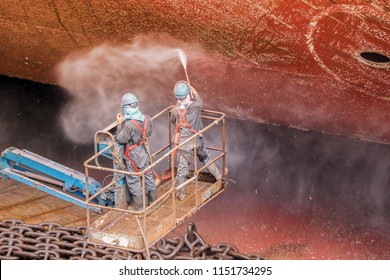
133	130
186	116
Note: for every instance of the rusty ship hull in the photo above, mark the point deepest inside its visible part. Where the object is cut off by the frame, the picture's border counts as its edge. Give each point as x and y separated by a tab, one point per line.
320	66
309	64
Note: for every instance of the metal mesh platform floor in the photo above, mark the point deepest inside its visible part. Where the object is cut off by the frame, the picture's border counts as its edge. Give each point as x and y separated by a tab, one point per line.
129	230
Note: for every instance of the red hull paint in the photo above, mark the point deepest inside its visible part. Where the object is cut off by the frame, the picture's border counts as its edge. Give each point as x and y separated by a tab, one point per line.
292	62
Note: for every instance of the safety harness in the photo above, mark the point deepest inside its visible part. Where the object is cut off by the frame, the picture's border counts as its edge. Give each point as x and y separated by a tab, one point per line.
177	133
175	142
176	139
182	122
144	140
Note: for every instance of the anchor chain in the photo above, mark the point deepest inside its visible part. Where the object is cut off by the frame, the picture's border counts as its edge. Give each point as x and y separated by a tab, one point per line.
52	241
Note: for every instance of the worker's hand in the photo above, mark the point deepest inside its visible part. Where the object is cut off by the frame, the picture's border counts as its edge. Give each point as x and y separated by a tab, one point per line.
120	118
193	89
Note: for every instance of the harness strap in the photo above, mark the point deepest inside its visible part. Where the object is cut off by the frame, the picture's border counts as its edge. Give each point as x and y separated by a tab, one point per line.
143	140
142	130
176	138
184	121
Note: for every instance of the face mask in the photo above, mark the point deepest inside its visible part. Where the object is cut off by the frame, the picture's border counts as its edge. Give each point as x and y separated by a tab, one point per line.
185	103
133	113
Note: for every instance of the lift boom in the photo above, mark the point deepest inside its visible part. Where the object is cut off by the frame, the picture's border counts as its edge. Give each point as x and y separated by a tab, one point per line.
48	176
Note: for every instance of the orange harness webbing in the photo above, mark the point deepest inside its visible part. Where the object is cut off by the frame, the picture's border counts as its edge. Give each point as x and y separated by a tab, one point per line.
182	122
176	136
143	140
177	133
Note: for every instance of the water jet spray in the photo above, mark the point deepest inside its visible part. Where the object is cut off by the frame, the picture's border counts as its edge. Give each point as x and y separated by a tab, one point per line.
183	60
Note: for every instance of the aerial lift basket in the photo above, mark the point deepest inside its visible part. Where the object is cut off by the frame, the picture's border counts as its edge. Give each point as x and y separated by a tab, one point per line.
124	227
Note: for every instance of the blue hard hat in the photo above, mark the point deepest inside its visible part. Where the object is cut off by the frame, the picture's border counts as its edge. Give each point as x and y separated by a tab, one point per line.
129	98
181	89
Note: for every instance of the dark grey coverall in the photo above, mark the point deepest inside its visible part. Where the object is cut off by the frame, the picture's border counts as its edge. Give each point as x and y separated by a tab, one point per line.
185	153
129	134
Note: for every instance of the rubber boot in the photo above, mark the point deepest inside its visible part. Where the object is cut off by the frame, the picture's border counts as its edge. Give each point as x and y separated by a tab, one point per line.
152	196
214	170
180	194
138	202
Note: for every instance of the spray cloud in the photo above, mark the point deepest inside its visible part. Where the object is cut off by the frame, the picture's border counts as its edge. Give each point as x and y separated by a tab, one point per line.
98	79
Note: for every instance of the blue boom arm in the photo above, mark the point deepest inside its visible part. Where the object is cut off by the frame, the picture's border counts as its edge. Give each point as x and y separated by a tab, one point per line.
49	176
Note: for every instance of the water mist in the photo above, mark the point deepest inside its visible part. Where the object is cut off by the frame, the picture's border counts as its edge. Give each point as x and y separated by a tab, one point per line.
97	80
